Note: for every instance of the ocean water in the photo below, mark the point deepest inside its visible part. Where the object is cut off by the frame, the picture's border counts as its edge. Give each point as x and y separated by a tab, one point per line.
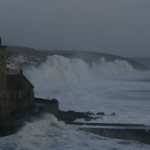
99	87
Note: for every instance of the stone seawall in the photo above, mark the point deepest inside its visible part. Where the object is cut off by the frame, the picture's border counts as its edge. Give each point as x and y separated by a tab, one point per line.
49	106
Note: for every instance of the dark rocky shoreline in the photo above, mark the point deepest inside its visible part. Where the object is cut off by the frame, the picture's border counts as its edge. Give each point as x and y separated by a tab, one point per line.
70	116
13	123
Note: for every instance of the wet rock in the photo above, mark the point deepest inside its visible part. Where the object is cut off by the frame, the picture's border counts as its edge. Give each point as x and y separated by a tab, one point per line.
101	113
89	113
113	114
70	116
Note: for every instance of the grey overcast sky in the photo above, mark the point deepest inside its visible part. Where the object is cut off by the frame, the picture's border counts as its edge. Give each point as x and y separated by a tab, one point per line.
112	26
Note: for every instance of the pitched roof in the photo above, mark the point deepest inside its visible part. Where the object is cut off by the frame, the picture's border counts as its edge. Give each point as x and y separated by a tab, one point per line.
18	82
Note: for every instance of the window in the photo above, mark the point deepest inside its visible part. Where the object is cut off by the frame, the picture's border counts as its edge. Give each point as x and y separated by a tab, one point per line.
12	95
20	95
4	98
2	80
27	94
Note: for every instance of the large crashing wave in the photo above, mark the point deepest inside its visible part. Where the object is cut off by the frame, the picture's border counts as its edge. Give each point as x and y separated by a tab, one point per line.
59	75
112	70
60	69
40	134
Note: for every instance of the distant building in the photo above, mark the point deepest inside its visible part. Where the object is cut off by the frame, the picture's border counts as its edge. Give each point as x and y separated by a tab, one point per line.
16	91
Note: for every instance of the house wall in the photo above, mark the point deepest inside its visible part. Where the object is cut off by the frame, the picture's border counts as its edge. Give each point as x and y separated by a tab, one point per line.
4	101
28	99
12	95
21	99
4	104
50	106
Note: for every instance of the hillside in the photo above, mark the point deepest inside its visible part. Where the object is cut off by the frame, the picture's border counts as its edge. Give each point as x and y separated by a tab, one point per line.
27	56
143	60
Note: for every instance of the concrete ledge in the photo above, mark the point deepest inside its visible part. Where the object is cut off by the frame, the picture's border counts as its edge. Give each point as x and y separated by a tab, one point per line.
108	124
141	134
50	106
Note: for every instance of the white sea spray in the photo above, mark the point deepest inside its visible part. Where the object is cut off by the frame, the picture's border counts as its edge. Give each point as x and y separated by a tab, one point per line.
103	86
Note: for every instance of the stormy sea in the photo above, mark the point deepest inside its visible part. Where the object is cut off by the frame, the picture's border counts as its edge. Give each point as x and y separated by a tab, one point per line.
104	86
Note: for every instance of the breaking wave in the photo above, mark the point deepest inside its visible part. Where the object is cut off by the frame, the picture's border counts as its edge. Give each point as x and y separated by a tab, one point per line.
61	77
61	69
50	134
40	133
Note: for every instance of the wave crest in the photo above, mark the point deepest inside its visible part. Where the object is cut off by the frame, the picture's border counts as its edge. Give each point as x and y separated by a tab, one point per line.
111	70
35	134
61	69
59	73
